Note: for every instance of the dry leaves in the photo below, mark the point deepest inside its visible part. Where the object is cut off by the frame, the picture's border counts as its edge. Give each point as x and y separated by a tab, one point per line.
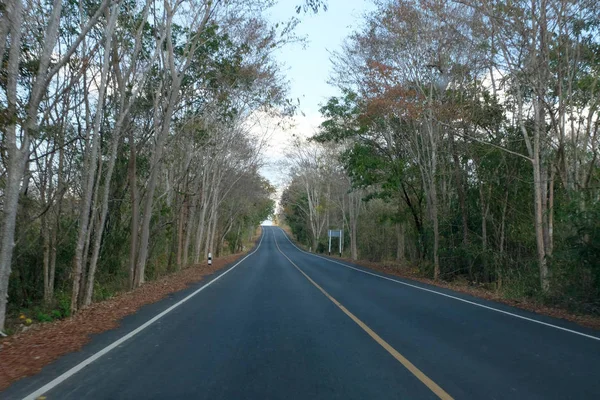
24	354
589	321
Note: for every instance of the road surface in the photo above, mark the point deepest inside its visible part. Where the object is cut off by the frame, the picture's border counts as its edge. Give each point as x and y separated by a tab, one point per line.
285	324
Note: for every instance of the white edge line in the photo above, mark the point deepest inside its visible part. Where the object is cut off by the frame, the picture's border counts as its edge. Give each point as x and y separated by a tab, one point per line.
445	295
66	375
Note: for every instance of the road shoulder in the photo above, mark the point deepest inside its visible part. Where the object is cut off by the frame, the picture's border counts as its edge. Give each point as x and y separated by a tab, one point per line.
586	321
27	353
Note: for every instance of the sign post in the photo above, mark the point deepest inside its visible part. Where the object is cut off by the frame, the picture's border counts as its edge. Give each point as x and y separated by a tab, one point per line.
338	233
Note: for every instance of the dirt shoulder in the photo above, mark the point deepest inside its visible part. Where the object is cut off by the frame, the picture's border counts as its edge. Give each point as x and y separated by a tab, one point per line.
25	354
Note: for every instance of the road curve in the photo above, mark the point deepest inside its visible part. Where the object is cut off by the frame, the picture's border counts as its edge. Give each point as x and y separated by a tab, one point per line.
285	324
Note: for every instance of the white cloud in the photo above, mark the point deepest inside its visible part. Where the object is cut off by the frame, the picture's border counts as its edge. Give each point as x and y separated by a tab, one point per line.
278	134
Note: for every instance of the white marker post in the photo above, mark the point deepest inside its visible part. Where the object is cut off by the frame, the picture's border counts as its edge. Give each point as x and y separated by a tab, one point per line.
209	258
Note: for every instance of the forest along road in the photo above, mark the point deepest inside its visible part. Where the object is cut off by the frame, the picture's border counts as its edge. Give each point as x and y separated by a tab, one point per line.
285	324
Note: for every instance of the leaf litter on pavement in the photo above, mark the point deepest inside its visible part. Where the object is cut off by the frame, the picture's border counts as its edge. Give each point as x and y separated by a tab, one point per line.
26	353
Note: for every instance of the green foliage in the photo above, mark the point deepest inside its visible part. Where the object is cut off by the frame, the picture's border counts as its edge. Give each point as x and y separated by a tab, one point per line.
377	238
58	309
576	260
43	317
193	94
413	138
522	282
292	205
63	303
586	239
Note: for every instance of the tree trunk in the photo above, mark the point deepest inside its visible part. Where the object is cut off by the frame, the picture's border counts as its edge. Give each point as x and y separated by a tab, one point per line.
550	212
401	248
46	231
189	223
458	177
213	201
202	218
484	212
534	150
237	246
101	220
46	259
11	198
17	159
213	223
155	167
49	293
539	229
180	237
86	211
436	234
176	76
200	234
4	28
192	207
55	232
222	241
353	240
135	222
539	211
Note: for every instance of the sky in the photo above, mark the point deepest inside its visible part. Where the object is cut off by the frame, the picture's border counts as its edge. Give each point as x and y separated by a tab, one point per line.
308	68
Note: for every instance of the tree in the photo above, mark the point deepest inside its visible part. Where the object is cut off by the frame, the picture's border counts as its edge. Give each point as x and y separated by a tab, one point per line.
488	112
127	122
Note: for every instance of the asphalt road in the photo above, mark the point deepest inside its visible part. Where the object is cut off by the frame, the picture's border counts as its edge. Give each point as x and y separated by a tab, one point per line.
285	324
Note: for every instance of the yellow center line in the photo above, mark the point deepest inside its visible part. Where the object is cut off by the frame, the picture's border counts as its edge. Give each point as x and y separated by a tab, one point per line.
434	387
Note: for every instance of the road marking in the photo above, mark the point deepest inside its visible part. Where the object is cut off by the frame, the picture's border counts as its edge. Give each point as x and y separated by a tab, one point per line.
60	379
434	387
447	295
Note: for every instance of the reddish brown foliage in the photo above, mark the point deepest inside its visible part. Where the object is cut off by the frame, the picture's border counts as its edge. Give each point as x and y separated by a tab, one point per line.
397	100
